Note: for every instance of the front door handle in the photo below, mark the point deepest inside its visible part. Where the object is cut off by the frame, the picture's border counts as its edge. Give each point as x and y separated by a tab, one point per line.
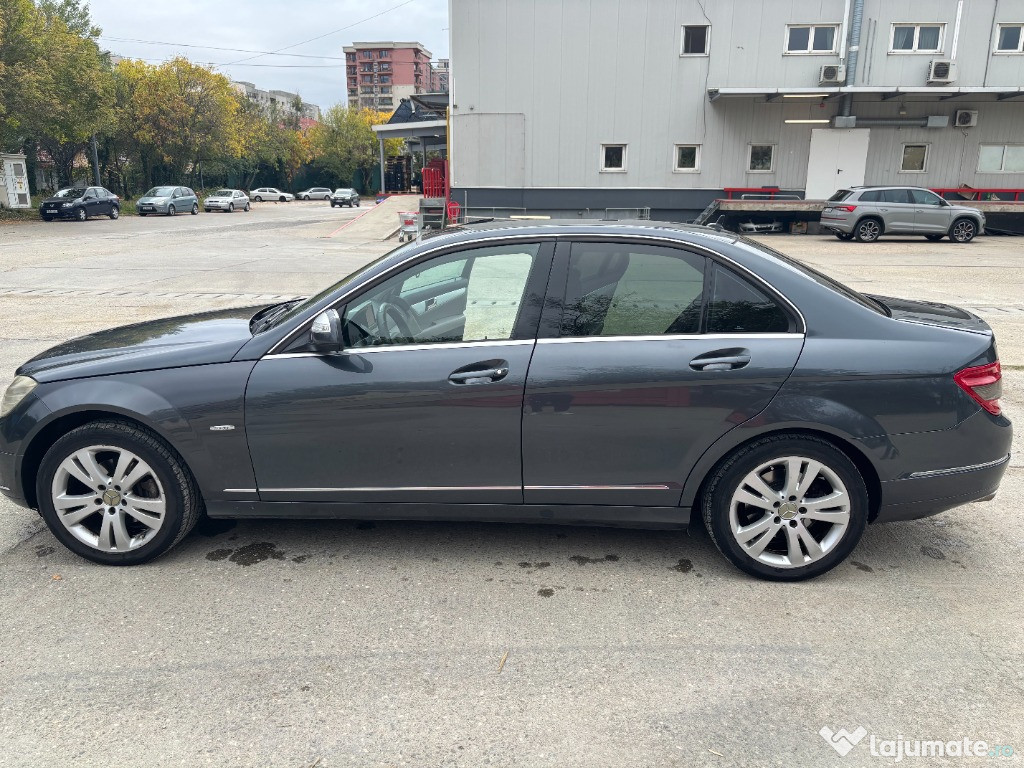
721	360
480	373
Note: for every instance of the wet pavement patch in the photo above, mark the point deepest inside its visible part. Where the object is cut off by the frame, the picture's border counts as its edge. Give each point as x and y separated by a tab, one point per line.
545	592
862	567
250	554
218	554
933	552
683	566
581	560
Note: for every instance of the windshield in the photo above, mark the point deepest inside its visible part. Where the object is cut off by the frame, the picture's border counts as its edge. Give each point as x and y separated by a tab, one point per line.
160	192
343	191
224	193
305	304
71	192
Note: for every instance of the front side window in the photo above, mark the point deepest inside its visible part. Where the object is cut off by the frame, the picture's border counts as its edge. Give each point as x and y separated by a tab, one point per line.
470	295
916	38
1010	38
695	40
914	157
762	158
687	157
632	290
925	197
613	157
1001	158
811	38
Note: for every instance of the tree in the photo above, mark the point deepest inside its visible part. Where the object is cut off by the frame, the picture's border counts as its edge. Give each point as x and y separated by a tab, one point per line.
74	14
346	146
22	53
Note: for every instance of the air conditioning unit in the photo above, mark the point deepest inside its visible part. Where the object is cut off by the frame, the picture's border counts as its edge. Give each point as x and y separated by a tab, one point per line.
965	118
832	74
941	71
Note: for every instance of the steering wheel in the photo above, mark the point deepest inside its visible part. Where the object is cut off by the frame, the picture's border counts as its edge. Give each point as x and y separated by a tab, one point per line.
390	314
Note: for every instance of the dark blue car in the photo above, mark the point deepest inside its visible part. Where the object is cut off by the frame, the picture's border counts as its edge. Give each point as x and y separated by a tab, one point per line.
629	374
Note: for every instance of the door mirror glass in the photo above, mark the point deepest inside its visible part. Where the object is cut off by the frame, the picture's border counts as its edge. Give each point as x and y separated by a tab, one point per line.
325	333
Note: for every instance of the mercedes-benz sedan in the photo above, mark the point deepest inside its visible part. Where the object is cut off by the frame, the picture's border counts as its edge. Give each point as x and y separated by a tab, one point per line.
633	374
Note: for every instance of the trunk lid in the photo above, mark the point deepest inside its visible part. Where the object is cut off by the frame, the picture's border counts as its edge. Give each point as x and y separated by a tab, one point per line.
933	313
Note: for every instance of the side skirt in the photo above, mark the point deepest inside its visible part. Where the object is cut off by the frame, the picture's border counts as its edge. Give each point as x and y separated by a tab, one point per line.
621	517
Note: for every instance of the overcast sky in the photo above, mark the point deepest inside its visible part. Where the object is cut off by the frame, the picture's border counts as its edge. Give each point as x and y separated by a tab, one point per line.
270	25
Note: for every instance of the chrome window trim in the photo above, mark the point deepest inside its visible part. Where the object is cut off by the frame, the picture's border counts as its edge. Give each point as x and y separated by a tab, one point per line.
957	470
672	337
412	488
409	348
640	487
497	240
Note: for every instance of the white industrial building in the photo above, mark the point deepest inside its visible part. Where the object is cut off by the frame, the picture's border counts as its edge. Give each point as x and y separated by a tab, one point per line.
565	105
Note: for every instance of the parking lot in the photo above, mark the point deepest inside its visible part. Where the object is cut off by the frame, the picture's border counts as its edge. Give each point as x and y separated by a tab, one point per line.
346	643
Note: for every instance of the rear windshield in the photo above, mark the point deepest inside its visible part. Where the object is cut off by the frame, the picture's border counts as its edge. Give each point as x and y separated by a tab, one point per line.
839	196
822	279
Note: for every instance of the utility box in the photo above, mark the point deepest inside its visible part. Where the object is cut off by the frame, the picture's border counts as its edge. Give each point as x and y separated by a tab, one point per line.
14	182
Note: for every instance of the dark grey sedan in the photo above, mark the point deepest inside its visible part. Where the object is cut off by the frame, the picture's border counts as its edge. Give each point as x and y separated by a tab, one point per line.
634	374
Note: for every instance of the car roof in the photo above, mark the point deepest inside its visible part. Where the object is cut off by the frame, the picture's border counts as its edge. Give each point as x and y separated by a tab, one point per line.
886	186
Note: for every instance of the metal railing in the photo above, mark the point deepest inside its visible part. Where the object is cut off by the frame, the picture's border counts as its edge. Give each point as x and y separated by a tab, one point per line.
617	214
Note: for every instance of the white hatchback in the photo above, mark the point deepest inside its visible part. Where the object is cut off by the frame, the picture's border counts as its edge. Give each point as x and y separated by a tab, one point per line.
271	193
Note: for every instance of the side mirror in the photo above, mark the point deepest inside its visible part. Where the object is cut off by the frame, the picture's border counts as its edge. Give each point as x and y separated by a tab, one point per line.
943	203
325	333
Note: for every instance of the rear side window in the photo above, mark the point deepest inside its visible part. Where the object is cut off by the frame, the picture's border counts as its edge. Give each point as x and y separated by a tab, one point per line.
895	196
632	290
839	196
870	196
736	306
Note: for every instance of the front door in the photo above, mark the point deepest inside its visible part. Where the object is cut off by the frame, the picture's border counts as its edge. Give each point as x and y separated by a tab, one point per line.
424	404
656	354
931	214
838	159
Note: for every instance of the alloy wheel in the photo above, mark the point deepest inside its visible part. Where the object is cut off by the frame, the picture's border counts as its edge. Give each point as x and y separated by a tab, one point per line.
789	512
963	231
868	231
108	498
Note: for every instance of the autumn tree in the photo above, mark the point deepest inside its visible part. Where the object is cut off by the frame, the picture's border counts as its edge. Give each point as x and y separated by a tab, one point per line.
346	146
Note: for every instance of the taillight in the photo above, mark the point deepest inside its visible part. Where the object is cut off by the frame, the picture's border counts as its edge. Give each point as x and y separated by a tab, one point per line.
984	383
847	208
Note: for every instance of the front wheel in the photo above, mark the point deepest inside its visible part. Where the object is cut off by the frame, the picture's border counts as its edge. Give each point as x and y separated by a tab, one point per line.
171	210
81	215
963	231
195	209
115	212
786	508
284	199
231	207
116	494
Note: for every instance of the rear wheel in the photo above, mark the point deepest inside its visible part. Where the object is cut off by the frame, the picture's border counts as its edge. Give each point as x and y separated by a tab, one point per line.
963	231
258	199
116	494
246	207
786	508
868	230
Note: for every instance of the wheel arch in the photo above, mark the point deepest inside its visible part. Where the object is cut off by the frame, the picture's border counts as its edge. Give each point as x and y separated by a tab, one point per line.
713	459
873	216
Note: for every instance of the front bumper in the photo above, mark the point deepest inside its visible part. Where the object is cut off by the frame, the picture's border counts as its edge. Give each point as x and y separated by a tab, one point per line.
58	213
221	205
152	207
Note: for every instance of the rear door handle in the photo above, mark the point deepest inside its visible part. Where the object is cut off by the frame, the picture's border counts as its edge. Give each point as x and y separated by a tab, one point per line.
721	360
480	373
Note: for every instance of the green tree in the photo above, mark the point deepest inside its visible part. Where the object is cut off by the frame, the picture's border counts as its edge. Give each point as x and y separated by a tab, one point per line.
346	146
22	52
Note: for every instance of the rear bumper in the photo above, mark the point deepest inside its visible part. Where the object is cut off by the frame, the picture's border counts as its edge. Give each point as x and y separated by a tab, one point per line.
837	223
930	494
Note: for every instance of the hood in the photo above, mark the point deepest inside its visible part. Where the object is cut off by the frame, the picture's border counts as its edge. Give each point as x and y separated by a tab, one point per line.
61	199
218	198
933	313
153	199
201	339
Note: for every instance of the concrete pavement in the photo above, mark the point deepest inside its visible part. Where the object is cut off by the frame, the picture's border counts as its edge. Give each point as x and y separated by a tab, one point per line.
287	643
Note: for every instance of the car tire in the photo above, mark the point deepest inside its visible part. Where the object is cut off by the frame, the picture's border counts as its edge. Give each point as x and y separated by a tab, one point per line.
760	471
963	230
258	199
163	493
172	211
142	214
195	209
934	238
332	204
81	215
868	230
357	205
115	213
231	207
843	235
246	207
283	199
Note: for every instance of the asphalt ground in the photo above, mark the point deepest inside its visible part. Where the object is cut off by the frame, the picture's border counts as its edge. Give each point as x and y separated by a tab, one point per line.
342	643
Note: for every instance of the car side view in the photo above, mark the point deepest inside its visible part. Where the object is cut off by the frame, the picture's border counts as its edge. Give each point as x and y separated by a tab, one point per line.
271	193
868	213
80	203
625	373
315	193
169	201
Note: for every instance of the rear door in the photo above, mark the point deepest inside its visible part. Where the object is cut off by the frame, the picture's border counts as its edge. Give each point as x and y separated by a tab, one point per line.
931	216
897	210
648	354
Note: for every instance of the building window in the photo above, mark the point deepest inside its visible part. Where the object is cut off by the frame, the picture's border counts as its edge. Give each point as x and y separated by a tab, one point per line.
367	54
382	54
687	158
811	38
916	38
1001	158
762	158
1010	38
613	158
915	158
695	40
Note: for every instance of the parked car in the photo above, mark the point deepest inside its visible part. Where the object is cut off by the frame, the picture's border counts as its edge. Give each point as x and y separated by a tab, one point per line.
168	201
226	200
344	196
867	213
80	203
315	193
578	373
271	193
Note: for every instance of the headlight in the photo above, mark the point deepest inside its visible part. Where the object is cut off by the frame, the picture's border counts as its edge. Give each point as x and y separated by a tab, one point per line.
16	392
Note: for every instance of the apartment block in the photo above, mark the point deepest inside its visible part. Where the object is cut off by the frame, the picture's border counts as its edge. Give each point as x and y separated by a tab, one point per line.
381	74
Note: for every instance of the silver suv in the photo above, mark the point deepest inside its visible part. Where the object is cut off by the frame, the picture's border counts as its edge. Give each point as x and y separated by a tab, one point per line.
866	213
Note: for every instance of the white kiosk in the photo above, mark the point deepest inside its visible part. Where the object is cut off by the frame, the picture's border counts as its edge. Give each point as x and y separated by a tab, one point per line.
14	182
